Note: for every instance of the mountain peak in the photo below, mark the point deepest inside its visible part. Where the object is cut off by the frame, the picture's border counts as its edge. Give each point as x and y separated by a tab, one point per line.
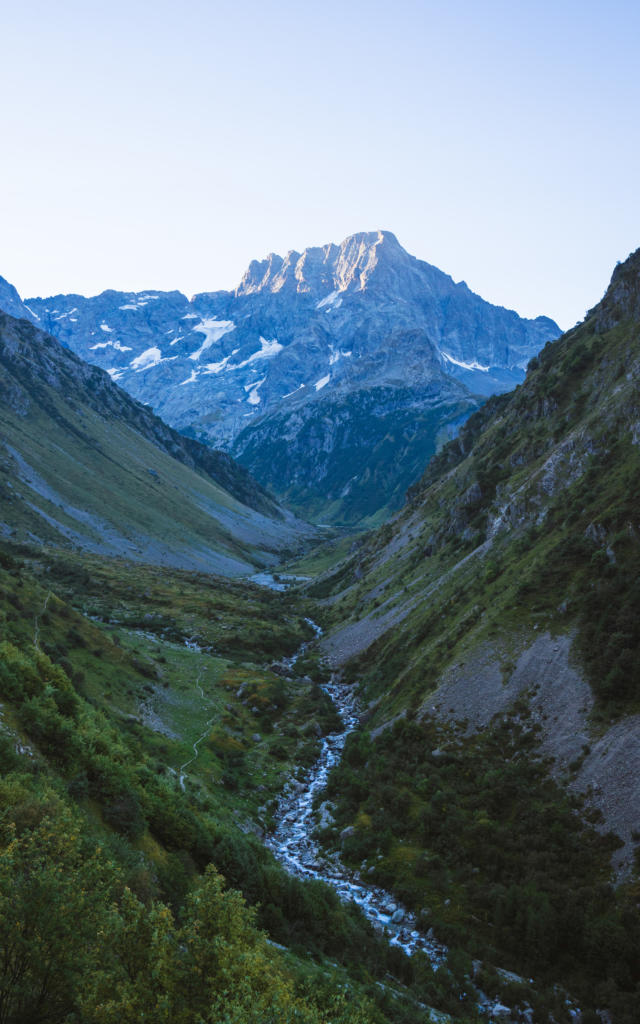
259	274
319	270
365	254
334	349
375	238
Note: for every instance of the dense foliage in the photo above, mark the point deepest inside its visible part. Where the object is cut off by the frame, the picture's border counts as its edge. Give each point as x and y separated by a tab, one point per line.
473	834
77	944
111	868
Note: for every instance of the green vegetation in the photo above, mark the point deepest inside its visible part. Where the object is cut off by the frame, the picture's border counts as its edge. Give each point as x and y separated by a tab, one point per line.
78	944
383	430
99	822
556	465
472	834
84	465
324	556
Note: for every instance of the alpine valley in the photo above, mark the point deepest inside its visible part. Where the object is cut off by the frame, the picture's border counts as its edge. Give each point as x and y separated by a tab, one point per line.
256	772
332	375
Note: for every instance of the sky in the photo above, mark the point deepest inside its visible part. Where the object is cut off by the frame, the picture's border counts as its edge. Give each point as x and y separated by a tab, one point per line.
166	145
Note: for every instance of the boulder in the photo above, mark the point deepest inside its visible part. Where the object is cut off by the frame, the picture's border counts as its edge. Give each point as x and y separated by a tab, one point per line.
500	1012
325	814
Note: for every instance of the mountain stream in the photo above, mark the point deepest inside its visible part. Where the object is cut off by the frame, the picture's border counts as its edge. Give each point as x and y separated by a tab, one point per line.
293	844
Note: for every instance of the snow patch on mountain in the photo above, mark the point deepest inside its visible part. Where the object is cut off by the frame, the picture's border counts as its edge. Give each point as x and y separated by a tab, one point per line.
111	344
465	366
213	329
190	380
61	316
268	349
139	302
219	367
254	397
331	301
150	357
336	355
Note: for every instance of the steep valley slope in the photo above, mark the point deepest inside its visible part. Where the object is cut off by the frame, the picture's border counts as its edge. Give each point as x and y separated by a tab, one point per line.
85	466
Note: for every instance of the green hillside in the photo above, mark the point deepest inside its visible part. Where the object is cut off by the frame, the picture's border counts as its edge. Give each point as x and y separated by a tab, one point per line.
492	631
84	466
123	855
530	518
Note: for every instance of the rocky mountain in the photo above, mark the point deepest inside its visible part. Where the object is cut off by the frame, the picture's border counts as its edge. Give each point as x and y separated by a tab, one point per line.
83	465
332	374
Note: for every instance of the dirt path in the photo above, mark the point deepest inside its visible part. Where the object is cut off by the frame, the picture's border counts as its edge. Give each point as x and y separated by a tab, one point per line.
36	622
182	773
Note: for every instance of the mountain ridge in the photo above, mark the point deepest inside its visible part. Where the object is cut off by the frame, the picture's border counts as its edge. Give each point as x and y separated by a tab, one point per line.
334	319
10	302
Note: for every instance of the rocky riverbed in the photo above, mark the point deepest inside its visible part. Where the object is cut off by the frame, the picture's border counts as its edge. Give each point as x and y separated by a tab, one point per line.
293	843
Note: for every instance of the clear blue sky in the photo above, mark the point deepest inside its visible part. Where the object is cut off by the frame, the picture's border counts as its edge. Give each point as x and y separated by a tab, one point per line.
165	145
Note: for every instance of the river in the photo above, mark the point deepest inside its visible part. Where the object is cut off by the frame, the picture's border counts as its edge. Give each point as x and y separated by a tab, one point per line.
293	844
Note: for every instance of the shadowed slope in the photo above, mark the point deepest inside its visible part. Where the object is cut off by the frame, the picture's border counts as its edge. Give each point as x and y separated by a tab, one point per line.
84	465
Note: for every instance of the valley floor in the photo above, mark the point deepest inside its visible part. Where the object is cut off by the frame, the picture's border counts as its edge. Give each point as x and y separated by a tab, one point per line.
182	721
